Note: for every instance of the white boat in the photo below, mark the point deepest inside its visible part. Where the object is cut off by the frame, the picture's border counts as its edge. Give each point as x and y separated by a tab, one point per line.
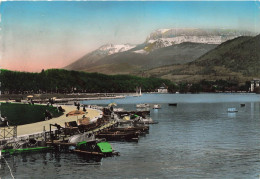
232	110
118	109
143	105
156	106
147	120
143	109
138	94
137	119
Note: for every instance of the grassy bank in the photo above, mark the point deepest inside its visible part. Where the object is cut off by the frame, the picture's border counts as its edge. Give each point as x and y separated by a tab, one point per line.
19	114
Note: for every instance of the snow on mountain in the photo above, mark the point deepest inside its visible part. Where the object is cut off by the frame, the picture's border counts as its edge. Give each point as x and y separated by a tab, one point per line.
159	39
153	44
168	37
110	49
194	39
175	32
142	51
163	30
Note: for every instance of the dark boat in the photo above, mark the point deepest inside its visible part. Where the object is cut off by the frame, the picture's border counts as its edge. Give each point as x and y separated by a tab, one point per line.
119	135
3	123
143	129
242	105
172	104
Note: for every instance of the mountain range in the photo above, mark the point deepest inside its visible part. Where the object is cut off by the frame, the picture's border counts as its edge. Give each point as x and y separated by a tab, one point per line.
237	59
163	47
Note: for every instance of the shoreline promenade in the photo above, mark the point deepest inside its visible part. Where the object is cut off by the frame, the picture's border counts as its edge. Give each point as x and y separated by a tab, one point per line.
38	127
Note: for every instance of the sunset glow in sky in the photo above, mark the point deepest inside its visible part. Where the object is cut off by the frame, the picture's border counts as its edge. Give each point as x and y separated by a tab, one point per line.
42	35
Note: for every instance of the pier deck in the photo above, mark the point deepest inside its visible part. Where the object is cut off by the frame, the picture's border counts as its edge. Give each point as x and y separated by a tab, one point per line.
37	129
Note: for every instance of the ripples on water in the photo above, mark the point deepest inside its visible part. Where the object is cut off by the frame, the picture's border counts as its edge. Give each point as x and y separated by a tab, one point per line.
192	140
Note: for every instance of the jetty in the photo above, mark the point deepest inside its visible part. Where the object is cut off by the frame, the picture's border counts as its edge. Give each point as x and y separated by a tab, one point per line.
40	129
87	135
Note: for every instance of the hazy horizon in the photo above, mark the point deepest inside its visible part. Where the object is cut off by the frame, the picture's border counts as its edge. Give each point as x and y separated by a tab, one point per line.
43	35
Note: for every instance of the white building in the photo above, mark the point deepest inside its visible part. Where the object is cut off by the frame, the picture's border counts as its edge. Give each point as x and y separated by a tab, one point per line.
162	89
254	83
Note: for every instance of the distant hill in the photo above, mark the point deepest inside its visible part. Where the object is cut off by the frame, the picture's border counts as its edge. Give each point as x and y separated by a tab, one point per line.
161	47
130	62
91	58
240	55
237	59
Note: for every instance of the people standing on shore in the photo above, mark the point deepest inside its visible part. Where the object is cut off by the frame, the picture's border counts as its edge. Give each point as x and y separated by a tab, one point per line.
4	121
60	109
48	115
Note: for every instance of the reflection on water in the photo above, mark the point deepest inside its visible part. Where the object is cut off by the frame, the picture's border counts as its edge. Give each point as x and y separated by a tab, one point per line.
231	115
192	140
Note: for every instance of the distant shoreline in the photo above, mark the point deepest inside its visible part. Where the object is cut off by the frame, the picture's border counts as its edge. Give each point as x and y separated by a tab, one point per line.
48	96
59	98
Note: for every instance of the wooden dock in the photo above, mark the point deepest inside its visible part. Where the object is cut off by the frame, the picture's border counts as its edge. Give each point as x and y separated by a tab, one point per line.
39	130
53	134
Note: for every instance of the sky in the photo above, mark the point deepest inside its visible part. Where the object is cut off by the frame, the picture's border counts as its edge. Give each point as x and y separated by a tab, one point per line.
42	35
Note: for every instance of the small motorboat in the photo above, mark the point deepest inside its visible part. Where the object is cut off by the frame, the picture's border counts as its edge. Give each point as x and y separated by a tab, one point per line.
118	109
232	110
242	105
156	106
95	148
143	105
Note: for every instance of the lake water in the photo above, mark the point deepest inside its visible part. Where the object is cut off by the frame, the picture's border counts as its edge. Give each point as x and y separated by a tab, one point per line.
196	139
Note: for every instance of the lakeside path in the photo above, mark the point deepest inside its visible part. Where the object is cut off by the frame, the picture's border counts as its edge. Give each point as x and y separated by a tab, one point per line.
38	126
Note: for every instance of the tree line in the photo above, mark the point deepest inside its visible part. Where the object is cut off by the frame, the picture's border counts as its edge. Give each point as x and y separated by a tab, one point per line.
214	86
64	81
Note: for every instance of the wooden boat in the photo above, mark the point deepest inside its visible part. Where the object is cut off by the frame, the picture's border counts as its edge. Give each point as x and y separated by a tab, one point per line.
136	119
148	122
128	129
95	148
119	135
127	113
139	122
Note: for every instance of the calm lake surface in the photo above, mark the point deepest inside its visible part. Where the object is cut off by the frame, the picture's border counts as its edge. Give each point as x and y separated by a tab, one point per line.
196	139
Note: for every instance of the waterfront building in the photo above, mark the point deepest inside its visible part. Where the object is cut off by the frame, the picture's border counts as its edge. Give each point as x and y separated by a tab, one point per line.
162	89
254	84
